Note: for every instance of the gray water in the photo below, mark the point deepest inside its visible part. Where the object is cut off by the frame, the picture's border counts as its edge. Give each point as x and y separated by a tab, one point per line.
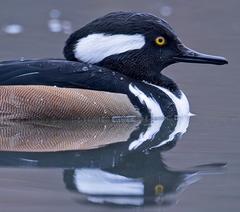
198	171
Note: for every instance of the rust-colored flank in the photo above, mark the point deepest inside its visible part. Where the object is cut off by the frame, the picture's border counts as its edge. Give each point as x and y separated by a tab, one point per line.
47	102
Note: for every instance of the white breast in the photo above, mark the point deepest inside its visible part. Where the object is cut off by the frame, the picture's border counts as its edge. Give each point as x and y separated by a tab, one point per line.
181	104
151	103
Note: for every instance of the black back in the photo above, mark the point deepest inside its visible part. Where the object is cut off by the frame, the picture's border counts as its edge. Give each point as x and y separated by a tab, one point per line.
70	74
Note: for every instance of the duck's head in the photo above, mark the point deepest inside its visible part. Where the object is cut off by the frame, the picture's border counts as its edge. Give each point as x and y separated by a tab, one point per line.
135	44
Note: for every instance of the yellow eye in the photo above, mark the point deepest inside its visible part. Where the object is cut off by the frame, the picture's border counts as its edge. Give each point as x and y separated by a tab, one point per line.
160	41
158	189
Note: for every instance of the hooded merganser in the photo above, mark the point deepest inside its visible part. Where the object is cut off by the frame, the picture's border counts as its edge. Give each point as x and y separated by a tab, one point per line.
113	69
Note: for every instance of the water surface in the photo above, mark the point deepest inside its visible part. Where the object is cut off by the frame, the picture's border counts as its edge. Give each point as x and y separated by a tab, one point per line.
132	171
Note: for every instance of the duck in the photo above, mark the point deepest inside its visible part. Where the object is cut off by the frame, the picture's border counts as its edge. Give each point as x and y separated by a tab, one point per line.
112	69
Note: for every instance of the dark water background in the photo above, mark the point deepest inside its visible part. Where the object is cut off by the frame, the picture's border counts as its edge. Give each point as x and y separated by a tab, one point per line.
213	92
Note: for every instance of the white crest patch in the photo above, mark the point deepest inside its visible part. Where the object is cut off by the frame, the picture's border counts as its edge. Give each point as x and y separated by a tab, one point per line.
95	47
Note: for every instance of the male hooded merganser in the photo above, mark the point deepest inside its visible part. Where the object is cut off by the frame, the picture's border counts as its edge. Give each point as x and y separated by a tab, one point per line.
113	68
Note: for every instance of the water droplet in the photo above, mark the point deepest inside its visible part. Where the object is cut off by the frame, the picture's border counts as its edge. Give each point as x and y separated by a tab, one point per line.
85	68
13	29
100	70
121	78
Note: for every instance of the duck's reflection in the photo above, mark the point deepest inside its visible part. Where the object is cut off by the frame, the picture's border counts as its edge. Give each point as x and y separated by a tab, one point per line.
138	179
117	162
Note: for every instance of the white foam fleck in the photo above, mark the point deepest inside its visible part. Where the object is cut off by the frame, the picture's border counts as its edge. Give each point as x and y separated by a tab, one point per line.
13	29
54	25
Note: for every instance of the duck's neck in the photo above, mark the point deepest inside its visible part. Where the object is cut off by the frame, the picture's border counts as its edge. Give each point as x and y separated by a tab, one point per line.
140	70
165	82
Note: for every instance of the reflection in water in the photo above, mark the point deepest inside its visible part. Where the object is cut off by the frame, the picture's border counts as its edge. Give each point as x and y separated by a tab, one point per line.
117	162
137	179
39	136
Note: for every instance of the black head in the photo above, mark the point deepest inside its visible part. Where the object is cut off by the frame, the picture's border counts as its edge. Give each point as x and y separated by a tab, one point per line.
135	44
